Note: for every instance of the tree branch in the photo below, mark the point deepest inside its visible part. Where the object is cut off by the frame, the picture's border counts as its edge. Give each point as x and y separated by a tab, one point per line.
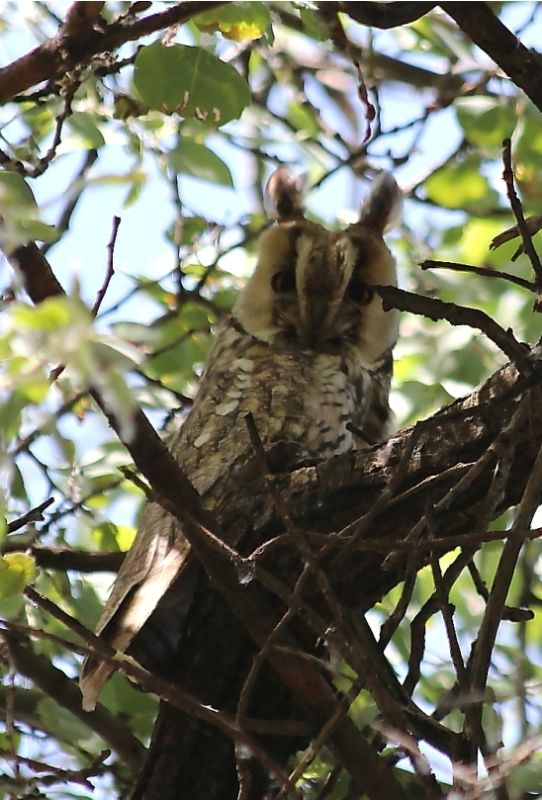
54	683
66	558
486	30
77	42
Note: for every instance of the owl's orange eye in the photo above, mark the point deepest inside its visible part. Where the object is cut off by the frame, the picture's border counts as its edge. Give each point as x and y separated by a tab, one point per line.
283	281
360	292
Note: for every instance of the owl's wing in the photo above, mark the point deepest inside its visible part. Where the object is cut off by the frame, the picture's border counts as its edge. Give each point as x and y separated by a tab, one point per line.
377	419
149	569
210	444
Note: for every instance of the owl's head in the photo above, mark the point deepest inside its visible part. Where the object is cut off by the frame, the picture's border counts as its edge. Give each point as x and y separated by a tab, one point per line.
312	287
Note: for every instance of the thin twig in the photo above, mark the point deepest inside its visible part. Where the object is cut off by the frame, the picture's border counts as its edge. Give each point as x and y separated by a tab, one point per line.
155	684
110	266
34	515
515	203
503	576
483	271
435	309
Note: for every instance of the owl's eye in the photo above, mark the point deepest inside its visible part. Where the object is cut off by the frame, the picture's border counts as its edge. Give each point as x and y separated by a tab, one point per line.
360	292
283	281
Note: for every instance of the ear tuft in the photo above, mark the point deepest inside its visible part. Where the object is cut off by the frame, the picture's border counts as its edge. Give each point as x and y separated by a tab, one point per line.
382	209
283	195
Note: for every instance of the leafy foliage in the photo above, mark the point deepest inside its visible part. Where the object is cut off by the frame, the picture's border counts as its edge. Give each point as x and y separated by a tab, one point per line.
176	136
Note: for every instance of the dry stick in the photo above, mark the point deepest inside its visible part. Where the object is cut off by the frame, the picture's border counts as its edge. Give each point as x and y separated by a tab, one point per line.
57	371
74	196
58	775
360	527
455	650
418	624
110	266
381	681
397	615
474	472
388	546
153	683
34	515
52	682
66	558
528	246
483	271
262	653
456	315
44	162
319	742
483	648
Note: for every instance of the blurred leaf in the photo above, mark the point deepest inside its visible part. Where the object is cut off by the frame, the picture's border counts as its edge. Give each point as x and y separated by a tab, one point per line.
238	21
113	537
15	192
314	25
190	81
460	185
302	118
70	728
197	160
485	120
88	133
17	570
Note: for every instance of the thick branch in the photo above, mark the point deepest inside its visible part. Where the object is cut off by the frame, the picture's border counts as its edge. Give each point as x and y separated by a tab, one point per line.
77	42
386	15
486	30
328	497
174	492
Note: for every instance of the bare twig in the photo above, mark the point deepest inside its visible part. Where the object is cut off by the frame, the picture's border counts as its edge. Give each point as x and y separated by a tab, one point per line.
456	315
110	267
496	601
55	684
34	515
528	246
153	683
482	271
59	775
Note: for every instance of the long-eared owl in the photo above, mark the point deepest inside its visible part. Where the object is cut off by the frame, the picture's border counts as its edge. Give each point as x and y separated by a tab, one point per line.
306	350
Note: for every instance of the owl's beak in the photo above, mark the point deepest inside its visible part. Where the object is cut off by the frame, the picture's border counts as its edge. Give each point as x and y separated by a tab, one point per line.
314	326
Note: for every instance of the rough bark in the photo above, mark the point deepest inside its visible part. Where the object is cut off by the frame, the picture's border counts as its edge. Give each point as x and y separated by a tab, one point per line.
218	645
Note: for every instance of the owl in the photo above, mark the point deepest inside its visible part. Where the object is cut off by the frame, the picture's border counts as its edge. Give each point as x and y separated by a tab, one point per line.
307	351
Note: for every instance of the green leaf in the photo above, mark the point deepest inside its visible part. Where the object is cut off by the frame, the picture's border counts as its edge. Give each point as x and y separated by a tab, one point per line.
197	160
485	120
17	570
238	21
70	728
109	536
314	25
50	315
88	133
302	118
14	191
20	214
462	186
190	81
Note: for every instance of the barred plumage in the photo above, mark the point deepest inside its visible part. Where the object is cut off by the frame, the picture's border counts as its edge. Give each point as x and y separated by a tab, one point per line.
306	351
